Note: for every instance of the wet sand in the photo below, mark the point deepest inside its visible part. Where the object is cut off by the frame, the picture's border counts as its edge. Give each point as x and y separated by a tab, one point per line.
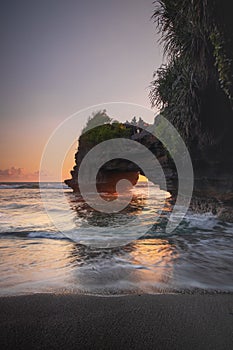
46	321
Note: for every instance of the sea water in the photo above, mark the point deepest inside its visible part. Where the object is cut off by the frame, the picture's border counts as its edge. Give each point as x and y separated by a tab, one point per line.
36	257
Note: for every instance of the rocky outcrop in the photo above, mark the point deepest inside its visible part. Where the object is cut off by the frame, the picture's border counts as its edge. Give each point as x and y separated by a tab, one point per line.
118	169
213	174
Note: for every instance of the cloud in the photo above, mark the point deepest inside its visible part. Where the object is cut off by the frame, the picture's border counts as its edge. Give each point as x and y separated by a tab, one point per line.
11	172
18	174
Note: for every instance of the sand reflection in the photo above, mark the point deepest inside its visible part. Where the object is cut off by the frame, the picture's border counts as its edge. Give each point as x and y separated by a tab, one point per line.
33	265
144	266
154	263
54	265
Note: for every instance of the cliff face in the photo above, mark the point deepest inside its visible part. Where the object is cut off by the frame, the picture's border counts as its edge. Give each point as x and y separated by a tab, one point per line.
213	173
194	90
117	169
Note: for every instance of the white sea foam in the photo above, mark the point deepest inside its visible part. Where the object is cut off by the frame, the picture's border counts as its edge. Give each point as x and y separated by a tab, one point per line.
35	257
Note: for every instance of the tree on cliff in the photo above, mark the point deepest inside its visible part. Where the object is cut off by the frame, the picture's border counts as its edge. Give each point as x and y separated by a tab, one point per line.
100	127
97	119
194	90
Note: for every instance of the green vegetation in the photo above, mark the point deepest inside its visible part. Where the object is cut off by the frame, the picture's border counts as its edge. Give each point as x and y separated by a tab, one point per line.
194	90
100	127
97	119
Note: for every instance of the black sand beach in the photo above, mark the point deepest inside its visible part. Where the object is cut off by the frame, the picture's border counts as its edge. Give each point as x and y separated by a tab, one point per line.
130	322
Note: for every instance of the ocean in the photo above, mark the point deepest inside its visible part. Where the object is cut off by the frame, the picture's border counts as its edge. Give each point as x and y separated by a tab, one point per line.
35	257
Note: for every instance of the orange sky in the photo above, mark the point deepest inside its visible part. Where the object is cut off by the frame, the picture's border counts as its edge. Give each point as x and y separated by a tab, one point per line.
20	174
58	60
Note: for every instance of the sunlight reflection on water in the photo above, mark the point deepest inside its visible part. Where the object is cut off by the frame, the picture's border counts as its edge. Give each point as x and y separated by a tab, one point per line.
34	257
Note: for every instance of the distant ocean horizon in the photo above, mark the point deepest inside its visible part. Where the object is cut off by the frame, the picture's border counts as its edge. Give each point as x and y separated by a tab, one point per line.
31	184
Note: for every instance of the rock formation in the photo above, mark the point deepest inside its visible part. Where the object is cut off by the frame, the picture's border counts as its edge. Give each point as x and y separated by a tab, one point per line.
213	180
117	169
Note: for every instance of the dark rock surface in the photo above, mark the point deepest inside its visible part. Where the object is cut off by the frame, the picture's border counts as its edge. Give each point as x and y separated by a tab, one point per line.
213	173
118	169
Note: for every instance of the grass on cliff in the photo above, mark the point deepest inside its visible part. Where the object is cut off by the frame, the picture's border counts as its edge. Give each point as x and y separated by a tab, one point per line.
105	132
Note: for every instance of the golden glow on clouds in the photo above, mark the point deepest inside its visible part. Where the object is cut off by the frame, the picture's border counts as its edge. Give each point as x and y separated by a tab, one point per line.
14	174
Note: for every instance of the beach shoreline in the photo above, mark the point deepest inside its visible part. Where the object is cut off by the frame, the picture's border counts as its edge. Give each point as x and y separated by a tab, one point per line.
162	321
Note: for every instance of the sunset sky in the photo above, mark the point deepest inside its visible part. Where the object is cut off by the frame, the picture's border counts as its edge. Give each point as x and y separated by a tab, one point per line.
60	56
